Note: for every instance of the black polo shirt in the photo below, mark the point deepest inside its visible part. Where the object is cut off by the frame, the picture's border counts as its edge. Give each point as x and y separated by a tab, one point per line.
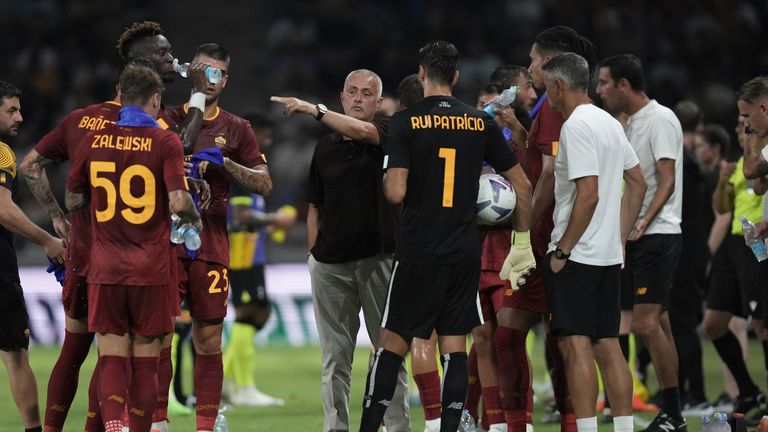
9	269
345	183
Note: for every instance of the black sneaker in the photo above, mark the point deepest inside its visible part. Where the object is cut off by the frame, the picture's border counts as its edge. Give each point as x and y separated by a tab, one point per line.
664	423
723	403
745	404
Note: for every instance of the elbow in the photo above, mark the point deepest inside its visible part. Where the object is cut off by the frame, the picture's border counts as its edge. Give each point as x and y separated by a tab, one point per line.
394	195
524	189
266	188
29	168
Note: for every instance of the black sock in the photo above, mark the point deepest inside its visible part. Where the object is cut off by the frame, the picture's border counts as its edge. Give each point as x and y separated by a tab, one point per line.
454	390
380	387
670	398
34	429
765	354
624	344
729	349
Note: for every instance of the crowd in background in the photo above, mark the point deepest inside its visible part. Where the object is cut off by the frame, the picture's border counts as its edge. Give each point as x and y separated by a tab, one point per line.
65	57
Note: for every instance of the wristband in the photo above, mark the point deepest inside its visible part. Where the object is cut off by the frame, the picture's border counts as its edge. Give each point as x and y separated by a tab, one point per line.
197	100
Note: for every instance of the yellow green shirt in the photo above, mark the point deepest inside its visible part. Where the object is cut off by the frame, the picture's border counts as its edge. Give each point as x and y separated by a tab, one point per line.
745	202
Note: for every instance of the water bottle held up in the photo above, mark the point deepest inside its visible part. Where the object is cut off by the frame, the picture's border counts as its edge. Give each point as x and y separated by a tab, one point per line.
211	73
507	97
752	240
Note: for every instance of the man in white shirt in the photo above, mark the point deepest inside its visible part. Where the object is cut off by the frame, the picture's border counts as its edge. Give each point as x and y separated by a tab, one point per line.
592	222
655	242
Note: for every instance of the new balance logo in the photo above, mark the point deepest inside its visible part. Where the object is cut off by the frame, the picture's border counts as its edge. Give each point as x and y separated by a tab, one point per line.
456	405
667	426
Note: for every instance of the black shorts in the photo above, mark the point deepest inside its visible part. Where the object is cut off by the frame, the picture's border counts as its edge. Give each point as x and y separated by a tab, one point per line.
248	287
583	299
653	260
738	281
14	320
627	287
423	298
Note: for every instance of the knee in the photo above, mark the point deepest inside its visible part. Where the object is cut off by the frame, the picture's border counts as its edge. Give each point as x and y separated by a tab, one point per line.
482	337
645	328
714	329
254	316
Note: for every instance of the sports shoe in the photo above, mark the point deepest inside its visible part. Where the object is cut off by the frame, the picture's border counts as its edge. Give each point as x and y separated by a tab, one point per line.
745	404
176	408
432	425
723	403
159	426
252	397
498	427
606	416
640	405
551	414
697	409
664	423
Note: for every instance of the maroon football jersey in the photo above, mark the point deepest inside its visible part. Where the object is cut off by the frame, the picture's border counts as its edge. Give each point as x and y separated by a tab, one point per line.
60	145
234	136
128	172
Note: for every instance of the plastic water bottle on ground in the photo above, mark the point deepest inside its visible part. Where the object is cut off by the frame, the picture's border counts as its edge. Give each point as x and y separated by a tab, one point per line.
706	424
221	424
507	97
753	241
211	73
721	423
763	426
467	423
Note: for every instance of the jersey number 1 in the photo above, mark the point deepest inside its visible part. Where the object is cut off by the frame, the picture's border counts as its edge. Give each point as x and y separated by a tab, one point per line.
449	174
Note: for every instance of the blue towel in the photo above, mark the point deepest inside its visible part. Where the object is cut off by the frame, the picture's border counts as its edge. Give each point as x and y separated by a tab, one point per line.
58	270
135	116
212	155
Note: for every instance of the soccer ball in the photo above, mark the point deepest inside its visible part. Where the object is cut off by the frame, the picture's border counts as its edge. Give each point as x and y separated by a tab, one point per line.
496	200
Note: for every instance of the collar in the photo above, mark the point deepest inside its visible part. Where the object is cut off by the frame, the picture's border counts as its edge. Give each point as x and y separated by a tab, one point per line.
213	117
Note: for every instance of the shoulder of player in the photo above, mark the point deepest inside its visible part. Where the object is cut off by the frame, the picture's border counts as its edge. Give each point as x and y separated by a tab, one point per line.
7	159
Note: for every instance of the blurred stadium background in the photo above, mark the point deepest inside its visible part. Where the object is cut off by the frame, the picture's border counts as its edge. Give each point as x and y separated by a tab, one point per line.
61	54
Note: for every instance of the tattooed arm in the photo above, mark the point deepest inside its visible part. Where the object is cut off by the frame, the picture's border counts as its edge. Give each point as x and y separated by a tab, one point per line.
33	170
74	201
254	180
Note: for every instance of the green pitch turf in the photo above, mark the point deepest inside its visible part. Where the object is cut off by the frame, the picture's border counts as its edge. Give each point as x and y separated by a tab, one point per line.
294	375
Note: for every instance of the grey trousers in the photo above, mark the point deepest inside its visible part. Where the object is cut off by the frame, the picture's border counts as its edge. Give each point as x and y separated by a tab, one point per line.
338	293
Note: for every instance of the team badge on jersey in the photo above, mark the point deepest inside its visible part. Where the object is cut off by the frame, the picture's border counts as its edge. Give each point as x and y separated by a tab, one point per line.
220	141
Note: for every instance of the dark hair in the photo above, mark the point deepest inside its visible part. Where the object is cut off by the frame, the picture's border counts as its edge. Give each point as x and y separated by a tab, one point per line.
715	134
569	67
504	76
754	89
214	51
490	89
439	59
134	32
562	39
259	119
138	84
8	90
410	91
626	66
140	62
689	115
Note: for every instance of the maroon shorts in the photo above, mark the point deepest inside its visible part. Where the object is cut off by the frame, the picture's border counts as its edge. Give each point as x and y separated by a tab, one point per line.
491	292
532	295
74	296
205	285
118	309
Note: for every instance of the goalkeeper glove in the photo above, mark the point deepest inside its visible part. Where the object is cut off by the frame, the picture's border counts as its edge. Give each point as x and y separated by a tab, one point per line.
520	261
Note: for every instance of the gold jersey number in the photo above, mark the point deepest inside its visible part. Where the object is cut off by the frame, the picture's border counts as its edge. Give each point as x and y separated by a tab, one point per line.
141	208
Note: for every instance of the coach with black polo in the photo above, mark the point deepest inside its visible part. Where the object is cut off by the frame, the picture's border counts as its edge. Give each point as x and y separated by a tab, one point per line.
350	239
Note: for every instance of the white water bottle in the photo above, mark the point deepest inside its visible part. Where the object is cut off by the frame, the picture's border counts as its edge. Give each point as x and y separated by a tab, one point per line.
467	423
211	73
177	235
753	241
721	423
221	424
507	97
191	237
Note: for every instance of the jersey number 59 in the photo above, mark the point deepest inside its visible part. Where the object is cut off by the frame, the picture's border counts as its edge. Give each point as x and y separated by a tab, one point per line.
141	208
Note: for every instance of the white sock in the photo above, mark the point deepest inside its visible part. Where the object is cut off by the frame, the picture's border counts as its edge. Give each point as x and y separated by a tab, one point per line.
432	425
161	426
623	424
528	427
588	424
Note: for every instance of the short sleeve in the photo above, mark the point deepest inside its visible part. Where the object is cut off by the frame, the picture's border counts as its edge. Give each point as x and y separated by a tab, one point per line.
7	166
397	149
581	150
382	126
665	140
315	189
248	153
53	145
630	157
77	181
173	163
497	152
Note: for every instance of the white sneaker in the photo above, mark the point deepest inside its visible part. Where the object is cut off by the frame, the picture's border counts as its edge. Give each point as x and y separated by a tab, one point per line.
432	425
228	390
159	426
498	427
252	397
